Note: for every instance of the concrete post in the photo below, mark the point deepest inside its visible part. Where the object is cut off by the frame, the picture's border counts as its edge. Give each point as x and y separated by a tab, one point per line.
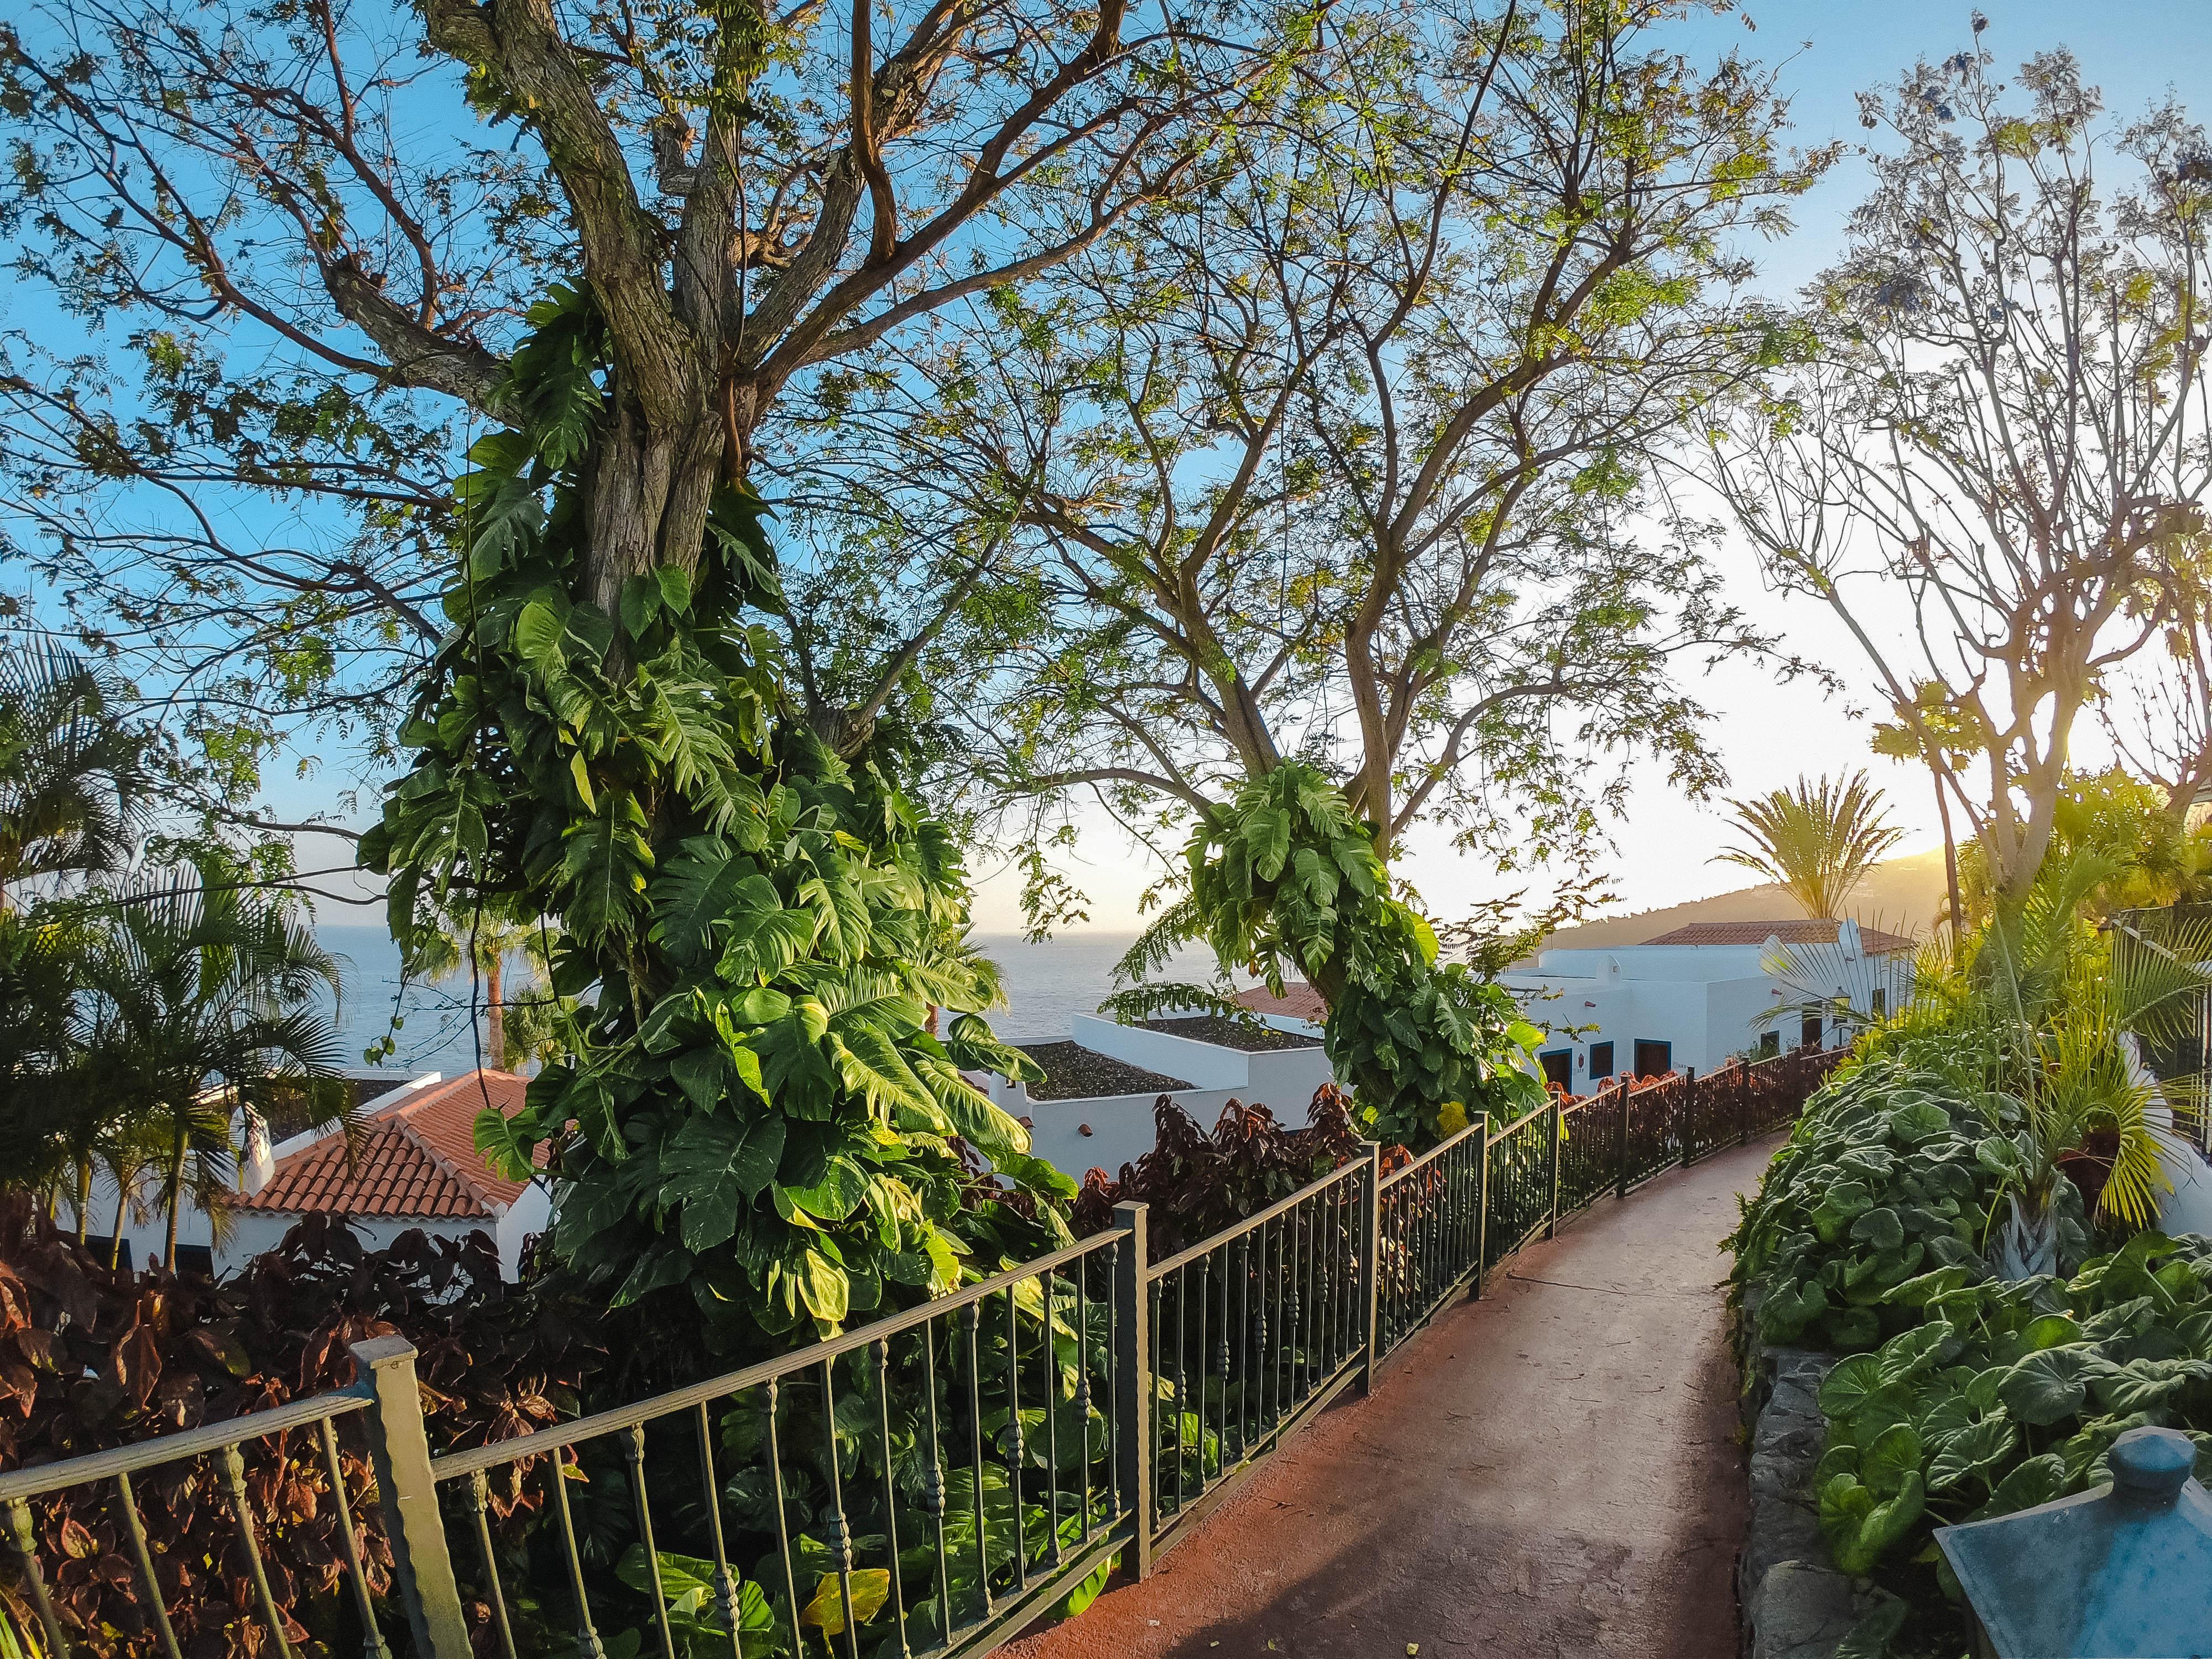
400	1452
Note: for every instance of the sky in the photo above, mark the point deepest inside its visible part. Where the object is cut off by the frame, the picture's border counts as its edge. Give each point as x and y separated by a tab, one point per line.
1768	734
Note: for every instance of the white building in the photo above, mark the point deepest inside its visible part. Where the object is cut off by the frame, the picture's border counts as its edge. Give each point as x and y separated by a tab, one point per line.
416	1165
1700	994
1105	1131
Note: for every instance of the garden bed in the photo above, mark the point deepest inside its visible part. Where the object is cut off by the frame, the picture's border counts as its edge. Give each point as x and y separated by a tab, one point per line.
1232	1033
1073	1072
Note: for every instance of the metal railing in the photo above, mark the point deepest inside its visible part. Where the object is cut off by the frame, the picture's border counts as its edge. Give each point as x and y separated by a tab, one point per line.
942	1477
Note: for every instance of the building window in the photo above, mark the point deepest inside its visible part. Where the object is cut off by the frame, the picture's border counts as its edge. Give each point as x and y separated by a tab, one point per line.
101	1248
195	1259
1601	1060
1809	1031
1882	1002
1654	1059
1559	1068
1770	1044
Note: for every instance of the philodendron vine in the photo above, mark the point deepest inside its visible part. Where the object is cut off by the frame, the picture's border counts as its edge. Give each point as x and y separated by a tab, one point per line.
760	1117
1285	873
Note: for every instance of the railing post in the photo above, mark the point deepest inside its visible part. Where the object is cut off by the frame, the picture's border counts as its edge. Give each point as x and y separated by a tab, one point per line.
1559	1134
1370	1259
1482	1213
1743	1102
400	1452
1689	1116
1620	1182
1132	1384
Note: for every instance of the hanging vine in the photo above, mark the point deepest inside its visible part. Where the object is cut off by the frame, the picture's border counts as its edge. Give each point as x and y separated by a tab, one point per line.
760	1117
1286	874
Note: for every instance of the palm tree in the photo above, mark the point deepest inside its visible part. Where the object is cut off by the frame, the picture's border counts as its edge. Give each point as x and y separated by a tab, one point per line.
1816	843
533	1027
74	786
201	996
2036	1011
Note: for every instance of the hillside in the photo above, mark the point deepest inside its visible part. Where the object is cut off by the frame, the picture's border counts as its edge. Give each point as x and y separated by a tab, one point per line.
1901	895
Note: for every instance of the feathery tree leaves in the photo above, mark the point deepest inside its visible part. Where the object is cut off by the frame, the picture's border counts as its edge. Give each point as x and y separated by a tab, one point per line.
1816	843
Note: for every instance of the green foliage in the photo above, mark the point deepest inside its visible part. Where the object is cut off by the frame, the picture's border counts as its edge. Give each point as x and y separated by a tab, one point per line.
1997	1397
1284	875
74	782
1816	843
1892	1176
759	1119
2150	856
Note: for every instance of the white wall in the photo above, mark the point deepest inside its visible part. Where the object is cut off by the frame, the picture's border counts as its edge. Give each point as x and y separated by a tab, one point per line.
1122	1125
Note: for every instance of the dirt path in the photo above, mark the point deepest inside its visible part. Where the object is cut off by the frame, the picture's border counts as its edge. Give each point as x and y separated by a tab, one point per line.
1551	1471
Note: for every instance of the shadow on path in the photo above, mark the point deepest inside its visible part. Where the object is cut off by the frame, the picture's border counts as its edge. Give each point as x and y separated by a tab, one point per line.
1551	1471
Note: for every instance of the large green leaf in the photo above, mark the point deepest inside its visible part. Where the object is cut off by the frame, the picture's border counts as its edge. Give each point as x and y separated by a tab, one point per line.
715	1166
2046	1387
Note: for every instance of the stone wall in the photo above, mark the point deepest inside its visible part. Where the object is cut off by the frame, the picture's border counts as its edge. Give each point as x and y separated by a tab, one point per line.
1795	1604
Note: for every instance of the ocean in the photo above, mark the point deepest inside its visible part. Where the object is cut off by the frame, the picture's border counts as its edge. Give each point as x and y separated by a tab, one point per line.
1046	984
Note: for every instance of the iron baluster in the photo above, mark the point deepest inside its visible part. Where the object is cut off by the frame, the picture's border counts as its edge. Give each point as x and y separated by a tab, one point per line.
932	1484
1051	1356
1183	1382
1083	1382
241	1508
972	1321
1016	1453
372	1638
1243	1343
479	1511
1113	1359
136	1526
841	1527
890	1490
727	1597
587	1639
1221	1366
634	1454
1204	1266
26	1540
782	1523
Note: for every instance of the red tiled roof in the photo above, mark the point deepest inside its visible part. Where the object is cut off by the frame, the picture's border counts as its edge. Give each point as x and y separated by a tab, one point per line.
1798	930
418	1158
1298	1001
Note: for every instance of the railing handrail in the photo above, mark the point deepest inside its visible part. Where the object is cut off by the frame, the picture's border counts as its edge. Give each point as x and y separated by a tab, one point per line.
1497	1136
1480	1124
185	1444
539	1441
1252	1223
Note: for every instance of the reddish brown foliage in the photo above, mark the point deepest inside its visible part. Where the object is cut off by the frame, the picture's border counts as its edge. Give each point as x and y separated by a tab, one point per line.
1198	1183
91	1359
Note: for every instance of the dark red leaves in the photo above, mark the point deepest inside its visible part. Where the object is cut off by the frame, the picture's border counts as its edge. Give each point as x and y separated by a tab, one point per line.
1198	1184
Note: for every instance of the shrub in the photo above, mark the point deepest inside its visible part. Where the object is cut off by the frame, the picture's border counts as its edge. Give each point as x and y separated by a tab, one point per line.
1999	1396
1199	1184
1892	1172
91	1359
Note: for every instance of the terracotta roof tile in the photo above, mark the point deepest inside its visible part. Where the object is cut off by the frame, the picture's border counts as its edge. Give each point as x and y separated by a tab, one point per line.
417	1159
1798	930
1298	1001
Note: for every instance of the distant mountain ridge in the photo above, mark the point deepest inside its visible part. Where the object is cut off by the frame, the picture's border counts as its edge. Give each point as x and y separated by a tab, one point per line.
1899	895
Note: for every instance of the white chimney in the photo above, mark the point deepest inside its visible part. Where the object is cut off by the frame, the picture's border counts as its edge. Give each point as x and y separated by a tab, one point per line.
258	1166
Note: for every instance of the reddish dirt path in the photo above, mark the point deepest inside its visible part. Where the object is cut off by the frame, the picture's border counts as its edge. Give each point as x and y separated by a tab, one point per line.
1549	1473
